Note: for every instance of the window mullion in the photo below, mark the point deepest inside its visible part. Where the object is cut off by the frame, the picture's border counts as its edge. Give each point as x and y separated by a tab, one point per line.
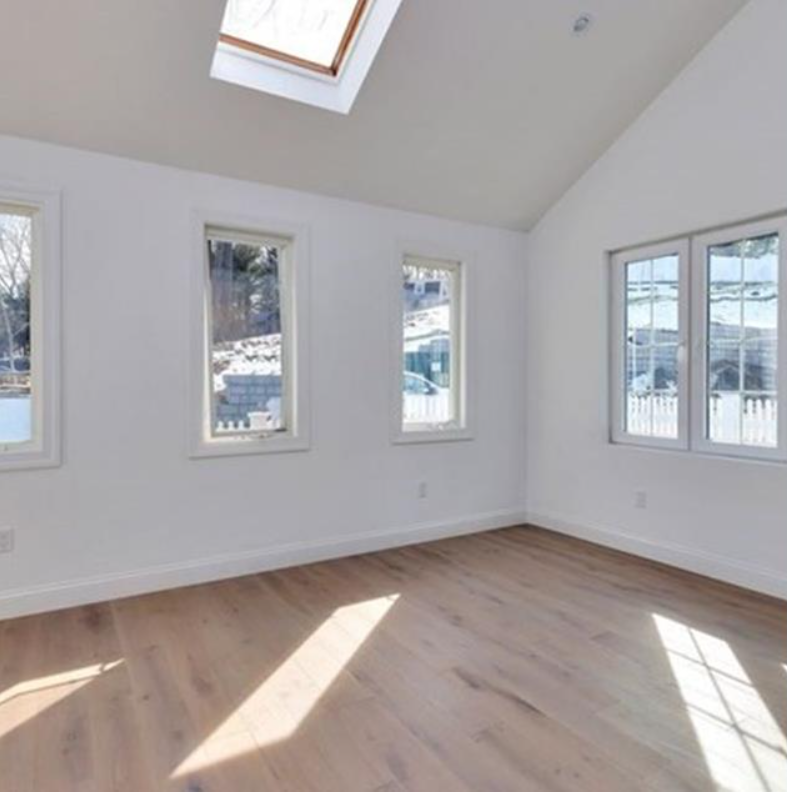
742	348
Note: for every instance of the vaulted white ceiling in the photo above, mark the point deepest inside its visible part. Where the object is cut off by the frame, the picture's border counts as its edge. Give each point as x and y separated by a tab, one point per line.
480	111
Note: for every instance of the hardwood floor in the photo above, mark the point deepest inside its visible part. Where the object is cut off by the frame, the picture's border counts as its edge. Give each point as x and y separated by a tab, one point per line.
511	661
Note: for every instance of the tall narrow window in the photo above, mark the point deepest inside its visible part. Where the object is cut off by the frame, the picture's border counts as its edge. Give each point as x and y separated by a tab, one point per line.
17	386
650	344
652	347
250	362
742	334
29	329
431	385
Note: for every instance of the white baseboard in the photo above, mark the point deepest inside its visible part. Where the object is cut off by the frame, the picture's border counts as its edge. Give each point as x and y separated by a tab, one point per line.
714	566
83	591
99	588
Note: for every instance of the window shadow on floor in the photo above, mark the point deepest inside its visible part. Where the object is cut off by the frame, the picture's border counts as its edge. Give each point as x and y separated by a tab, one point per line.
511	660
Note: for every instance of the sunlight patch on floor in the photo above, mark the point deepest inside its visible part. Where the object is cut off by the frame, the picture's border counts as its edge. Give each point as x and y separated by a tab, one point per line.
283	701
743	746
28	699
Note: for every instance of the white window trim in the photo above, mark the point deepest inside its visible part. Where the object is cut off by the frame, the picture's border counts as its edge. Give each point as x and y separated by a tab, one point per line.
44	449
693	360
462	347
296	282
700	243
618	389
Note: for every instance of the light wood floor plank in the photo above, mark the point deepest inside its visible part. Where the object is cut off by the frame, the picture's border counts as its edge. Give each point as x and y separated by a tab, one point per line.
512	661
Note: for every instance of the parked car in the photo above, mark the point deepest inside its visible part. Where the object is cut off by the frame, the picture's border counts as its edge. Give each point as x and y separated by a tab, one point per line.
418	385
424	402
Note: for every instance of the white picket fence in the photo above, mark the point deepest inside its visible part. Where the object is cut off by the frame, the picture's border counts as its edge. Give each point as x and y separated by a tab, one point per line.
417	408
751	420
257	422
747	420
427	408
653	416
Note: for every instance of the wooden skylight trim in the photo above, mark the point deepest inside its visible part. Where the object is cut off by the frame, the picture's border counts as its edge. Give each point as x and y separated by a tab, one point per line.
303	63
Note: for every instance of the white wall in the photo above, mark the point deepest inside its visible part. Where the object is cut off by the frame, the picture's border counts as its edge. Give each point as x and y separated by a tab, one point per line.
128	510
711	150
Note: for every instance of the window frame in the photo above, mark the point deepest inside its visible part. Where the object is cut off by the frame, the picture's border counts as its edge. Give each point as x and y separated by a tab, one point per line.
43	450
620	260
700	244
241	66
294	300
359	11
461	357
693	360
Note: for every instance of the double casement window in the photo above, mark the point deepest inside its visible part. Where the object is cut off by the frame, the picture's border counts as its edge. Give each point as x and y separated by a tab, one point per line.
249	367
700	342
430	385
29	328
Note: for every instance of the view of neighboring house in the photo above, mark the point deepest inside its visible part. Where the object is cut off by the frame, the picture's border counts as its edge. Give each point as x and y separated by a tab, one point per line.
742	356
427	292
427	309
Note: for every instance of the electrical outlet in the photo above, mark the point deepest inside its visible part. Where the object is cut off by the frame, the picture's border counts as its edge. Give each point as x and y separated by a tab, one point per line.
6	540
640	499
423	490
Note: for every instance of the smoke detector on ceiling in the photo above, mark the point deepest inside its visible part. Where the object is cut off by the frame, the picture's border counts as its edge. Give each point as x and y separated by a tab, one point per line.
582	24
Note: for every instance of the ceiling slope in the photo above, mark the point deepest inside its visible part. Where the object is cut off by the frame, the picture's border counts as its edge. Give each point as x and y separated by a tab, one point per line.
484	112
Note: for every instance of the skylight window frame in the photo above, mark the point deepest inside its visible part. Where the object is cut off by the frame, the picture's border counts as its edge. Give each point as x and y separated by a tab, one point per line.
353	26
280	78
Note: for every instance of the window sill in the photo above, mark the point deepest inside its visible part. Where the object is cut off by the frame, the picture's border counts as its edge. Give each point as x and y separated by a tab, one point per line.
651	443
28	460
234	447
701	453
416	436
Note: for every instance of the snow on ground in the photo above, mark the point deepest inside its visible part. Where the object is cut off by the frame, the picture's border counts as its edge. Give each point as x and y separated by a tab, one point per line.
15	419
259	355
421	326
761	301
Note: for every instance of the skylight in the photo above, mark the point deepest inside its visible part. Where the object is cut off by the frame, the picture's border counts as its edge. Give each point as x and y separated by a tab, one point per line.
312	34
313	51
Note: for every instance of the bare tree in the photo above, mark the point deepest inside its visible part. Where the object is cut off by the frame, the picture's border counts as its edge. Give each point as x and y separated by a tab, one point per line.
15	262
245	286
